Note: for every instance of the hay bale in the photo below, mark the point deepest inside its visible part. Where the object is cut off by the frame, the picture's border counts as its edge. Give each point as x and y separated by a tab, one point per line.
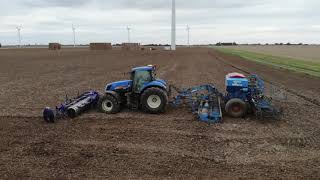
54	46
100	46
131	46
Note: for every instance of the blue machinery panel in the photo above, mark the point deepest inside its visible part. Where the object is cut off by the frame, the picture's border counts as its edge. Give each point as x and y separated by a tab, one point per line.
204	101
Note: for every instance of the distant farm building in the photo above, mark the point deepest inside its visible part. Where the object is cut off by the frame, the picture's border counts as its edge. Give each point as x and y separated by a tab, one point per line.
54	46
131	46
100	46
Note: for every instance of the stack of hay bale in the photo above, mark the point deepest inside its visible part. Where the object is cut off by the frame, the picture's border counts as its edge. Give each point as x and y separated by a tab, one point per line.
54	46
131	46
100	46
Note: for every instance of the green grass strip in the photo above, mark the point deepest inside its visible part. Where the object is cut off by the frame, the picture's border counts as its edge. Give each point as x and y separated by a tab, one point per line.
297	65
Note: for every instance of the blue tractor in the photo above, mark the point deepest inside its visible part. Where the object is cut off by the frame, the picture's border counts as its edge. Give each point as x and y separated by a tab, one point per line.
142	91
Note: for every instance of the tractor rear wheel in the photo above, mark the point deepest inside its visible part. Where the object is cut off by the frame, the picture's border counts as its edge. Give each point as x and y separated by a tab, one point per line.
109	104
154	100
236	108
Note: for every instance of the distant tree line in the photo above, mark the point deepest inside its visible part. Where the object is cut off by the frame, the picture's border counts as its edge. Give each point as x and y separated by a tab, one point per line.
290	44
226	44
156	45
258	44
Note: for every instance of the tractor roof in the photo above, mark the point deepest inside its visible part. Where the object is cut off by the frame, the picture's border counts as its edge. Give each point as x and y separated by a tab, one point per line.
144	68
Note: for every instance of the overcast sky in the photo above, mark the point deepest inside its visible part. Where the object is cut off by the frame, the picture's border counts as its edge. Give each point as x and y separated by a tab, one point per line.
211	21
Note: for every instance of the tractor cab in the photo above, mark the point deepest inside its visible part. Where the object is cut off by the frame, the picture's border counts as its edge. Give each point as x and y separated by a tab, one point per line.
141	76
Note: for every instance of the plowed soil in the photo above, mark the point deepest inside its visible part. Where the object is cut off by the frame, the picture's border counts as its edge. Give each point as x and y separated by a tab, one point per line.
134	145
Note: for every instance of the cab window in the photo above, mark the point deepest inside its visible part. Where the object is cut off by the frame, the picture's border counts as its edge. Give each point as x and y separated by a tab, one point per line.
140	78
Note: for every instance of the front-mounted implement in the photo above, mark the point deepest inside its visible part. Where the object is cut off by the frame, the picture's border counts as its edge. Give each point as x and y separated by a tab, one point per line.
72	107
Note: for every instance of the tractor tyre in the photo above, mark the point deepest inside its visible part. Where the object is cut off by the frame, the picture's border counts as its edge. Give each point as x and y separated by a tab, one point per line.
236	108
154	100
109	104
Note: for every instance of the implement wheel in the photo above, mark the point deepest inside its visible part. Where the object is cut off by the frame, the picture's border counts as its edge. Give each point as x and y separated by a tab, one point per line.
154	100
236	108
48	115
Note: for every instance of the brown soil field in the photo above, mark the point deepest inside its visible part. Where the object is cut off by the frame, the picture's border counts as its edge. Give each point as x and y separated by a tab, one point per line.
309	53
134	145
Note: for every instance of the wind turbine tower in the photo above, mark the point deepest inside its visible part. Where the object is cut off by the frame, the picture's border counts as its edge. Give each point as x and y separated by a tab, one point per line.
74	35
188	30
128	29
173	26
19	35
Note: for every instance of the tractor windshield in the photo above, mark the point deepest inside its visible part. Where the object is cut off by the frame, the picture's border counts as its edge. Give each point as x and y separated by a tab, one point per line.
140	78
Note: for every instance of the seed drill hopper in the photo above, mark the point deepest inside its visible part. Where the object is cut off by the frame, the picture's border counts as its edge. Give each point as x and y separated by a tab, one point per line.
246	95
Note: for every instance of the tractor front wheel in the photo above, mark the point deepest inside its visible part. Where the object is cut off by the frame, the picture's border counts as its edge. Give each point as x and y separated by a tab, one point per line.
154	100
109	104
236	108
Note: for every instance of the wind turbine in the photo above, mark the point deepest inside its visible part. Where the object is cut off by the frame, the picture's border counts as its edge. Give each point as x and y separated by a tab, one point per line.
128	29
19	34
74	35
188	30
173	26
